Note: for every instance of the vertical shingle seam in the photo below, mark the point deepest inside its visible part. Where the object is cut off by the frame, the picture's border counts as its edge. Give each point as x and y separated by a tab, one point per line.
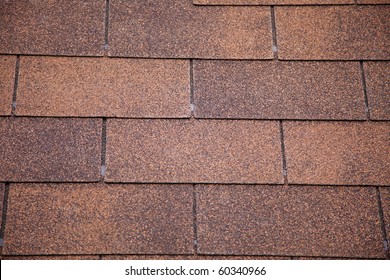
274	39
106	24
103	149
382	221
195	219
16	82
284	162
4	214
192	104
363	77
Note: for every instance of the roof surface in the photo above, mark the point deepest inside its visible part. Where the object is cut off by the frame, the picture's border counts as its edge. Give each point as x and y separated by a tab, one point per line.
204	129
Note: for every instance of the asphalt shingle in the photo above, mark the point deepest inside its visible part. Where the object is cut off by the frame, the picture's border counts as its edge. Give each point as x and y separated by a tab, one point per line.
92	87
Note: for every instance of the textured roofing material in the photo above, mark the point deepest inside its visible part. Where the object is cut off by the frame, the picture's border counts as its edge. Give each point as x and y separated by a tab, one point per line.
195	129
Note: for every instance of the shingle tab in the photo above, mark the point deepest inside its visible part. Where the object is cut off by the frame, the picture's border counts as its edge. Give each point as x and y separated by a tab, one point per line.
48	257
333	32
274	2
52	27
64	86
98	219
385	201
7	80
2	192
373	2
278	90
337	153
42	149
188	151
378	89
177	28
293	220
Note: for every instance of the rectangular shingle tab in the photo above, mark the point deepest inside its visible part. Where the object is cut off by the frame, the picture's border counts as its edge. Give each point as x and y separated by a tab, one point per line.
278	90
188	151
90	87
7	80
43	149
99	219
50	257
293	220
369	2
378	89
337	153
178	29
2	192
385	201
274	2
333	32
52	27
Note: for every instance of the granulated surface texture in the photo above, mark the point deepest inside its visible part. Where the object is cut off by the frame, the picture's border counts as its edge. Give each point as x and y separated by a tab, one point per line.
283	90
330	32
193	151
7	73
338	153
176	28
52	27
378	89
58	150
92	87
194	129
278	220
74	219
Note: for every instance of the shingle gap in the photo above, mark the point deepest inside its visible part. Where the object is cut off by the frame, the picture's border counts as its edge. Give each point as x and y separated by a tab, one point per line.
17	65
4	216
192	102
106	23
103	150
274	39
194	210
382	221
283	153
367	107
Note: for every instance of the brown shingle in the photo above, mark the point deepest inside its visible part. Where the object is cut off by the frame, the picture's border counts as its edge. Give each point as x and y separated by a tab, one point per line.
373	1
37	149
337	153
385	201
274	2
294	220
188	151
48	257
53	86
177	28
7	79
278	90
188	257
378	89
99	219
333	32
52	27
2	191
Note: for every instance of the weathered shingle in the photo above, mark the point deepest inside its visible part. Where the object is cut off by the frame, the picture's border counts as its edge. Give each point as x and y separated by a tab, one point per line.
177	29
97	219
190	151
7	80
293	220
337	153
92	87
278	90
333	32
52	27
50	150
